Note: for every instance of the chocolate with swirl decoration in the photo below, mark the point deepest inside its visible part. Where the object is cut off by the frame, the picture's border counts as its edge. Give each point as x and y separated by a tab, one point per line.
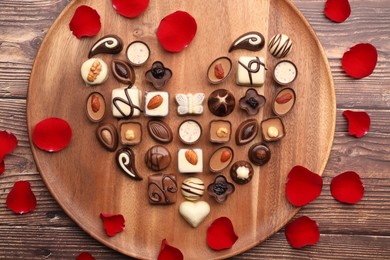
162	189
253	41
110	44
125	159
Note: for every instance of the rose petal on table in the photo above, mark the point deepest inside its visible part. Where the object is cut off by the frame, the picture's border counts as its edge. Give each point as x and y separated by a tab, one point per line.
220	234
8	143
2	167
52	134
85	22
130	8
358	122
302	231
176	31
168	252
337	10
113	224
360	60
21	199
347	187
85	256
302	186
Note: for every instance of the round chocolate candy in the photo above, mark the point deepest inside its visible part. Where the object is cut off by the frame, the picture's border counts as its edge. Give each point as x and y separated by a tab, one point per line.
137	53
285	72
94	71
190	131
259	154
241	172
280	45
221	102
192	188
157	158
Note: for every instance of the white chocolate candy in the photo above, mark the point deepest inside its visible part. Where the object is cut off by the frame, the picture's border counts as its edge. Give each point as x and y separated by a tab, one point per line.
125	102
285	72
192	188
194	212
162	109
280	45
94	71
190	131
137	53
185	166
250	71
242	172
190	103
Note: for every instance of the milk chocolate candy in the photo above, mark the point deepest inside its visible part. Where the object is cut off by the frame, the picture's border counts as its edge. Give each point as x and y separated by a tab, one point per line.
110	44
160	131
157	158
220	159
162	189
284	101
219	70
130	133
221	102
272	129
125	159
94	71
250	71
107	136
96	107
220	131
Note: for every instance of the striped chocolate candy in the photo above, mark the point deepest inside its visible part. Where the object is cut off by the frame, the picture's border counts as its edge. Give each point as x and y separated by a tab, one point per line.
192	188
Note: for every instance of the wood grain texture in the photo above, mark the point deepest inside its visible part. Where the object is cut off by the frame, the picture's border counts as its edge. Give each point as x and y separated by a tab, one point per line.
347	232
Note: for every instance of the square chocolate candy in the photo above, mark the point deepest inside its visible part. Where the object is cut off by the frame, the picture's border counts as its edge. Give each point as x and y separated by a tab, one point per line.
162	189
126	102
156	103
190	160
250	71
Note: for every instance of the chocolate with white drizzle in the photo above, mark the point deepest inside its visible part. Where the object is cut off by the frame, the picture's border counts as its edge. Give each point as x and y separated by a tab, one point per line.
280	45
125	159
110	44
162	189
253	41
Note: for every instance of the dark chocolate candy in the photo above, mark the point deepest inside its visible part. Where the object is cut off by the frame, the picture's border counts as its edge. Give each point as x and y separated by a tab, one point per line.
107	136
241	172
125	159
158	75
259	154
221	102
246	131
252	102
162	189
123	72
157	158
220	189
110	44
253	41
160	131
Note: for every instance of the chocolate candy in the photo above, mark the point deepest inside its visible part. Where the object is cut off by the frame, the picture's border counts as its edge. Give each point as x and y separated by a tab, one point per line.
272	129
162	189
157	158
246	131
250	71
125	102
219	70
285	72
220	159
189	103
220	189
156	103
190	160
137	53
107	136
280	45
241	172
259	154
130	133
158	75
284	101
221	102
190	131
123	72
96	107
252	102
110	44
192	188
220	131
253	41
125	159
94	71
160	131
194	212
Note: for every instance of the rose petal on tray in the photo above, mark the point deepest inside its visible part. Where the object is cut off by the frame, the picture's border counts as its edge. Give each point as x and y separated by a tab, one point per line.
130	8
337	10
302	231
347	187
21	199
220	234
113	224
85	22
85	256
2	167
359	122
52	134
8	143
168	252
302	186
176	31
360	61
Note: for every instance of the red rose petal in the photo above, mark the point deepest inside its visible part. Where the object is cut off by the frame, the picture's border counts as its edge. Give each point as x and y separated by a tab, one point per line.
2	167
113	224
347	187
220	234
21	199
130	8
360	61
85	22
176	31
168	252
52	134
337	10
8	143
85	256
302	231
302	186
359	122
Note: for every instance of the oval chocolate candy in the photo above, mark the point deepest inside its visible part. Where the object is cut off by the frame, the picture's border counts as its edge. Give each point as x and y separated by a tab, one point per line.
284	101
219	70
221	159
123	72
96	107
107	136
160	131
246	131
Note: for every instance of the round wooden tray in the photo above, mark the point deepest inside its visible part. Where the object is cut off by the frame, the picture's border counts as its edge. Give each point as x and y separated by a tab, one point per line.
84	178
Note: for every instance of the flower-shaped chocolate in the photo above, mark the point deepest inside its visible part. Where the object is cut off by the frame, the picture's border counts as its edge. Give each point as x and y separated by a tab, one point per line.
252	102
220	188
158	75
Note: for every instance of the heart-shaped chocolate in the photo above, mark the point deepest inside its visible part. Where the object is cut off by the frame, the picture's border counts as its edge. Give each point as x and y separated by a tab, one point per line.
194	212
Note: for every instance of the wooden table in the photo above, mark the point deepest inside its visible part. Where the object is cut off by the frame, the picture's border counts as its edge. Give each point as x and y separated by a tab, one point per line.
359	231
